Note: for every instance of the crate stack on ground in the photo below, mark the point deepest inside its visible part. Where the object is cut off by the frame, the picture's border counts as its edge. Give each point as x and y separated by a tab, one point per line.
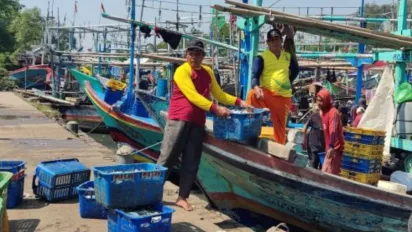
16	187
133	195
5	178
362	159
58	180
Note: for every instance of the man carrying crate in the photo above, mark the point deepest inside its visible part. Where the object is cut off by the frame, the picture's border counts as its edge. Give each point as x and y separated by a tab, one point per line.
192	85
272	75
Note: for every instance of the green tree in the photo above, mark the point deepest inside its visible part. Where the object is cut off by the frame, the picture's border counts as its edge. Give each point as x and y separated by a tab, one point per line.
8	11
27	28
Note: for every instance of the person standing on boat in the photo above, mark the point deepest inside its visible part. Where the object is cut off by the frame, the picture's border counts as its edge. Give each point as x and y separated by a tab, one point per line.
272	75
193	83
333	131
315	139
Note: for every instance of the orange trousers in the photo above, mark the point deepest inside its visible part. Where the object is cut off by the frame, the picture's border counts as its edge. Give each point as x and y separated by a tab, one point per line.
279	109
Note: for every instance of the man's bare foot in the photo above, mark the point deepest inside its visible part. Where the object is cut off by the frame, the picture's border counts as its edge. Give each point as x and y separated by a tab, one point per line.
184	204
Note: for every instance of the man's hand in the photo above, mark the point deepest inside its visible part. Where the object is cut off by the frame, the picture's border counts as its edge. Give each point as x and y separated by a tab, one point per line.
258	92
222	112
245	105
330	153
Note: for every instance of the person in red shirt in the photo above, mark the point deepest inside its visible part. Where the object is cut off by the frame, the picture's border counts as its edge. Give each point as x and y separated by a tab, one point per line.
193	83
333	130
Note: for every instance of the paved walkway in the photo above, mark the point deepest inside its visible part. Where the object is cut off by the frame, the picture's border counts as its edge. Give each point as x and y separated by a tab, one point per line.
26	134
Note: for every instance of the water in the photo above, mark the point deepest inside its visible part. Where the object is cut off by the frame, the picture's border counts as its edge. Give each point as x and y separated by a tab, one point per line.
104	139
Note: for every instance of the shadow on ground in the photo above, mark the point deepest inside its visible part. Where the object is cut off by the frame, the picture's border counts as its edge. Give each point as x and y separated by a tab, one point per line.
228	224
185	227
23	225
32	203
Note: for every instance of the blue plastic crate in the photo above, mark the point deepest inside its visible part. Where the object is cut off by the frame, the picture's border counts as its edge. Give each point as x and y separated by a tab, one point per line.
239	127
89	208
362	169
112	96
59	173
54	194
158	219
129	185
15	193
363	139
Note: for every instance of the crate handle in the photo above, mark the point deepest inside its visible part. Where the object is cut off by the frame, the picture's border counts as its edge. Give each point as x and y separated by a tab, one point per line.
33	184
156	219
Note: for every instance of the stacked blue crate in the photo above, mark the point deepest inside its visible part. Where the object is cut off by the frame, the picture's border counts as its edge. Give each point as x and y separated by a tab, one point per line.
89	208
57	180
133	194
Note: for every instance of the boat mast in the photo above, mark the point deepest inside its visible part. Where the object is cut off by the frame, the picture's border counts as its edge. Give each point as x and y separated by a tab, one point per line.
130	94
361	49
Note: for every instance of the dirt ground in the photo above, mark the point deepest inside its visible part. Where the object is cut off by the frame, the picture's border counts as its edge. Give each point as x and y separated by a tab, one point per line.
26	134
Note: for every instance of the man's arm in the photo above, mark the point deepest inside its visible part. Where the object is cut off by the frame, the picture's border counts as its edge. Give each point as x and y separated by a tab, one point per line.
294	69
184	81
219	94
257	70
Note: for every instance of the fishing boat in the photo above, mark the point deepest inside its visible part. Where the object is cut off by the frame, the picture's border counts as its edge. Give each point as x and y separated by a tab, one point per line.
138	131
250	184
34	76
86	116
253	186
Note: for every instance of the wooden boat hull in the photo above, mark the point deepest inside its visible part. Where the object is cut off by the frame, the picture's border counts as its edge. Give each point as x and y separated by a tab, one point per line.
241	181
36	76
86	116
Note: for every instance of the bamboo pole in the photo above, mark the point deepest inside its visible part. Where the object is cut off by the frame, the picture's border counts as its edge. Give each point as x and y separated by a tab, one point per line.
154	57
329	29
49	98
186	36
318	22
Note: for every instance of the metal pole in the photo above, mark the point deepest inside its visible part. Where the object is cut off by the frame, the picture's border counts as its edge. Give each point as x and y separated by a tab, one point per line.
130	95
400	67
361	49
139	44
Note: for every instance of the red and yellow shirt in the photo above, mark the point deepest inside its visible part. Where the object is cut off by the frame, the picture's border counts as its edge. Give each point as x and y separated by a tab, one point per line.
192	90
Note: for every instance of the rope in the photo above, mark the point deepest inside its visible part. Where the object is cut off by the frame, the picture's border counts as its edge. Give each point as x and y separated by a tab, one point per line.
138	151
283	226
95	127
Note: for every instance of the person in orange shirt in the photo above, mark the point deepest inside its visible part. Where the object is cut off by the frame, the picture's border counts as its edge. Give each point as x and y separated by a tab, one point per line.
272	75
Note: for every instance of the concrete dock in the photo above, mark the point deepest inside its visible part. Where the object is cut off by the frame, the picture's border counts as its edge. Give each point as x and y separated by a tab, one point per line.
27	134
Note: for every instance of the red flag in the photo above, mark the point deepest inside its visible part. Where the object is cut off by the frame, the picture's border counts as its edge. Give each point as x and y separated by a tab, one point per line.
102	6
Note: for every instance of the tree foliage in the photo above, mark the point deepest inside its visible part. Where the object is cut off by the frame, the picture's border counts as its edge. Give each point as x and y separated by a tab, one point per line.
27	28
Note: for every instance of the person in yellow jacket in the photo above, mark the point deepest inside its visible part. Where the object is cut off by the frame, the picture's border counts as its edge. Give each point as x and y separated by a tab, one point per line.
272	75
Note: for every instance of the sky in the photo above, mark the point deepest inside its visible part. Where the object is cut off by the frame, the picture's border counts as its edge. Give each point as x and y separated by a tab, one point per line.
88	11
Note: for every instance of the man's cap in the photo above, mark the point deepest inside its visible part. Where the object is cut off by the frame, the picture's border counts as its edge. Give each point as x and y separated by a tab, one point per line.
273	33
196	45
